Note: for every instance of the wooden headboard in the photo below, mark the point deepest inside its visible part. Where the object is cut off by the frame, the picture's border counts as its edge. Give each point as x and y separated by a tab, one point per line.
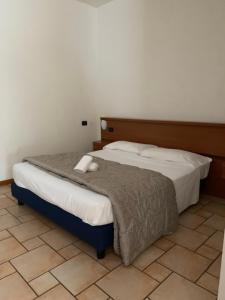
203	138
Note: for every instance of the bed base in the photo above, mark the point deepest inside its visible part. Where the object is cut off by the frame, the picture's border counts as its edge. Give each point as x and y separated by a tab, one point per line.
100	237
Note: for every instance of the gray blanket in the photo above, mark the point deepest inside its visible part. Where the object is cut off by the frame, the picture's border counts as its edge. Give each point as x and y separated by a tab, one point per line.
143	201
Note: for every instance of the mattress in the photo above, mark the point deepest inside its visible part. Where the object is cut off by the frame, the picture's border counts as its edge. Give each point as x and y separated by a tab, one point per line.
95	209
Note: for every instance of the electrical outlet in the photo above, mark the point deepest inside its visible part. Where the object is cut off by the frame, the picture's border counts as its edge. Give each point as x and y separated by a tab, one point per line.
84	123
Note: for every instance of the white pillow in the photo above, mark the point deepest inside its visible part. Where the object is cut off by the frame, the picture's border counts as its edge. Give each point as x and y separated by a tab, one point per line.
176	156
128	146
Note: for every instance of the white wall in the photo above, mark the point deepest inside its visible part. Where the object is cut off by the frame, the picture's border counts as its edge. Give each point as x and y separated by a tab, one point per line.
47	60
62	61
161	59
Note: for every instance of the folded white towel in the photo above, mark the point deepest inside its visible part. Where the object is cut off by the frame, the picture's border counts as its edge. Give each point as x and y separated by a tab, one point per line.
84	164
93	167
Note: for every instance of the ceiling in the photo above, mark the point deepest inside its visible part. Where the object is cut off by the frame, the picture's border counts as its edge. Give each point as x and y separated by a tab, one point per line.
95	3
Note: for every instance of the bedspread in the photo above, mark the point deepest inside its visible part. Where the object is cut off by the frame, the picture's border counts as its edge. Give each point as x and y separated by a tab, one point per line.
143	201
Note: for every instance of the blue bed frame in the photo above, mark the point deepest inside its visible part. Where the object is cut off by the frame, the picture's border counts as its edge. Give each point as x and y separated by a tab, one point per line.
100	237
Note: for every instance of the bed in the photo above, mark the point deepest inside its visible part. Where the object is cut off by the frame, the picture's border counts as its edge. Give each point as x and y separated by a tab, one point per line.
91	217
88	214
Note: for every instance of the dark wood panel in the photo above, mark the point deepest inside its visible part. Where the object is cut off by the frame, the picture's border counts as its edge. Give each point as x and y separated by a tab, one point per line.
98	145
215	183
203	138
6	182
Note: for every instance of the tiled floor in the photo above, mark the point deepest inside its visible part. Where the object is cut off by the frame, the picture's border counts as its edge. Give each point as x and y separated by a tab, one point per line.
39	260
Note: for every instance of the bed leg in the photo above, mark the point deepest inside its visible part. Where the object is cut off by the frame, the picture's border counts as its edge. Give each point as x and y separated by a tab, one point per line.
100	254
20	202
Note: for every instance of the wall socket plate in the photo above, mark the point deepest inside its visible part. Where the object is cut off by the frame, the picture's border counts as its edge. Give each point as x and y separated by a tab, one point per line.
84	123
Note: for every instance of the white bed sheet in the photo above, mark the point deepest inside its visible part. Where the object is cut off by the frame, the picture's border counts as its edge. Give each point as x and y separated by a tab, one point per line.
95	209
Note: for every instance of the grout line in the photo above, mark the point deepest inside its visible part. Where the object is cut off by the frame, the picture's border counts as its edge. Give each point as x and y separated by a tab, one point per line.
111	270
87	286
174	272
214	293
194	253
161	283
24	280
60	283
10	273
98	260
194	250
102	290
206	271
212	275
208	240
47	290
211	259
95	286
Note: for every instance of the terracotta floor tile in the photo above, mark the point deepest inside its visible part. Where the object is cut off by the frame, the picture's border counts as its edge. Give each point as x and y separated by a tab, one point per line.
3	212
9	195
48	222
9	249
28	230
177	288
194	208
185	262
190	220
92	293
88	278
27	218
86	248
205	230
4	189
217	200
36	262
214	269
18	210
164	244
33	243
216	241
6	269
78	273
111	261
147	257
57	293
69	251
14	287
216	208
216	222
58	238
43	283
158	272
187	238
4	235
208	252
8	221
127	283
204	213
205	199
209	282
5	202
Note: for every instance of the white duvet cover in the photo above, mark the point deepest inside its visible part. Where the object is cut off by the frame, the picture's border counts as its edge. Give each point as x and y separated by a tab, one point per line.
95	209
